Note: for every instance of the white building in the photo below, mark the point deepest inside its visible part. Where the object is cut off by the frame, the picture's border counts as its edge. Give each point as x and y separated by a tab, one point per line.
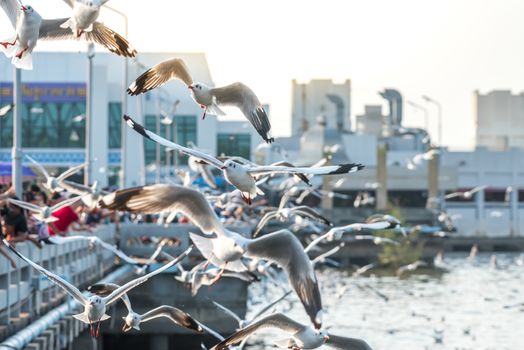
53	115
321	96
500	120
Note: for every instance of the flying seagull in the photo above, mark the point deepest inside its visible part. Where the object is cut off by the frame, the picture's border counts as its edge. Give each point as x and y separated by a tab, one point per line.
5	109
239	175
90	194
31	27
466	194
133	319
94	306
236	94
85	13
225	248
285	213
301	336
43	214
52	184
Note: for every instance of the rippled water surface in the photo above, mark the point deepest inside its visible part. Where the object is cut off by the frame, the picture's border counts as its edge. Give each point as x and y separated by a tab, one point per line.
472	306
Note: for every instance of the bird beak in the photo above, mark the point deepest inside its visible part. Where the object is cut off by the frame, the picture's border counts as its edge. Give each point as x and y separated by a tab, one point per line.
223	168
24	8
326	338
190	87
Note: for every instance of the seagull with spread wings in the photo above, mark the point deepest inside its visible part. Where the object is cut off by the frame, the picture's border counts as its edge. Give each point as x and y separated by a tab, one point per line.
133	320
236	94
242	175
285	213
43	214
52	184
94	306
466	194
300	336
31	27
225	248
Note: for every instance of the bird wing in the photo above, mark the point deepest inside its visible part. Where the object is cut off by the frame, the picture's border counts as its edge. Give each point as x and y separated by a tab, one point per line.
207	175
304	210
241	96
330	252
343	343
39	166
176	315
160	74
228	311
265	219
302	177
284	248
453	195
64	203
51	29
70	3
158	139
70	172
76	188
63	240
163	197
104	289
137	281
59	281
12	10
115	250
25	205
277	320
477	189
325	170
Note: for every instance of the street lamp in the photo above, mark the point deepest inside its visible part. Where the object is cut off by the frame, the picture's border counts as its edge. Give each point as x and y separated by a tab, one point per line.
123	141
16	155
89	106
423	109
439	107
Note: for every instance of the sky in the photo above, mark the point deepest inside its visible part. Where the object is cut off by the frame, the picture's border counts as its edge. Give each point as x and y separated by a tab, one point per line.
445	49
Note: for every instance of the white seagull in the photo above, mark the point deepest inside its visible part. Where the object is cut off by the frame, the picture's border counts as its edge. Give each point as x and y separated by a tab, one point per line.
225	248
30	27
239	175
43	214
133	320
300	336
85	13
466	194
285	213
95	306
90	194
5	109
236	94
52	184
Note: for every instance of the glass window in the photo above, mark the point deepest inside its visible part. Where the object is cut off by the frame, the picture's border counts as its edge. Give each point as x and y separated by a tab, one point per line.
234	145
115	125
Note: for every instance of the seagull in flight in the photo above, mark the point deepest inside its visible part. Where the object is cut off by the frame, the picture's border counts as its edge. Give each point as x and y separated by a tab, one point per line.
222	247
85	13
285	213
133	319
466	194
52	184
31	27
5	109
236	94
242	175
43	214
300	336
94	306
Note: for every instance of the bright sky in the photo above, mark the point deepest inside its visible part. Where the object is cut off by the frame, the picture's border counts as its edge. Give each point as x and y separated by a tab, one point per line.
443	48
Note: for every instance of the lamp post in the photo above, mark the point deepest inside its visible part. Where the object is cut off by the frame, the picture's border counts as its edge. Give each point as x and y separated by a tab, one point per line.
439	108
16	155
423	109
123	141
89	106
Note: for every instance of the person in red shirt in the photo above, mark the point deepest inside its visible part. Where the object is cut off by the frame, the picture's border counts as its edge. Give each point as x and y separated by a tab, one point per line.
66	216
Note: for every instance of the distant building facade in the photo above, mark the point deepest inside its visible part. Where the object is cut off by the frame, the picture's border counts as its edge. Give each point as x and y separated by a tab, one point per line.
499	120
320	97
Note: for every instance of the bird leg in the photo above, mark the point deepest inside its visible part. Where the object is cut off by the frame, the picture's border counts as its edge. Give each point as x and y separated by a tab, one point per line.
98	329
79	33
20	54
205	111
246	199
220	273
6	43
91	331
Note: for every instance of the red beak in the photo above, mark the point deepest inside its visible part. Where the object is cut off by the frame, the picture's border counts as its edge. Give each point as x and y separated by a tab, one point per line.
24	8
223	168
190	87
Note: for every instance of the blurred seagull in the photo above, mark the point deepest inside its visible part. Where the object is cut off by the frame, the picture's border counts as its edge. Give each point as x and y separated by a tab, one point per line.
301	337
90	194
85	13
133	319
239	175
30	27
5	109
52	183
236	94
225	248
285	213
410	267
43	214
94	306
466	194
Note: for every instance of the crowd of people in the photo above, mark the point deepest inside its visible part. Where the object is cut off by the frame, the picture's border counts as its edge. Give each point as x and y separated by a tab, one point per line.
19	225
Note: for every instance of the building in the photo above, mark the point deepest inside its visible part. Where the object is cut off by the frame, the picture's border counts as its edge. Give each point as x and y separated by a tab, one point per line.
54	125
499	120
318	97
